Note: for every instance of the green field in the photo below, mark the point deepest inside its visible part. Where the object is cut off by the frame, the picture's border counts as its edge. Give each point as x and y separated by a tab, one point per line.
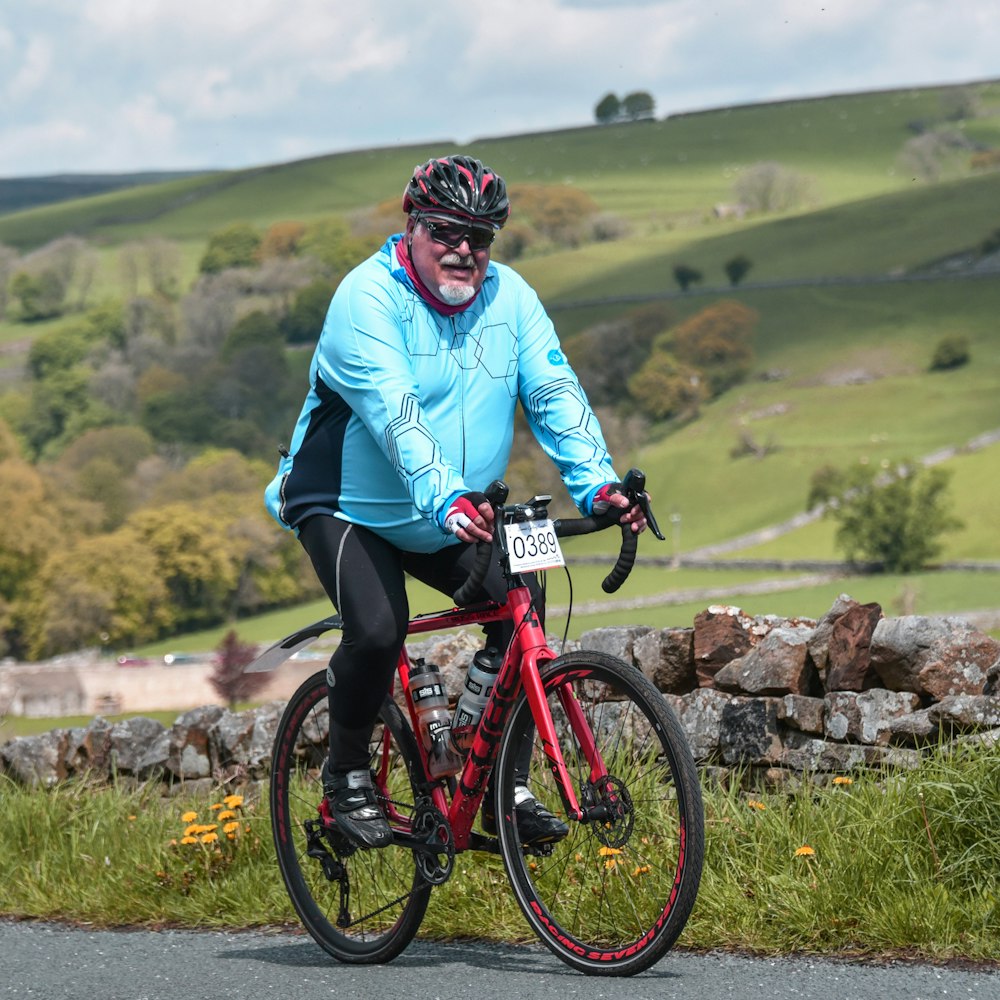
840	372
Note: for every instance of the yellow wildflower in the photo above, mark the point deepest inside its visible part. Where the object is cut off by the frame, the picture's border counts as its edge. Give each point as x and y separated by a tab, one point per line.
215	806
641	869
842	779
610	863
754	804
209	838
608	851
230	827
226	814
132	818
189	817
189	840
805	851
232	801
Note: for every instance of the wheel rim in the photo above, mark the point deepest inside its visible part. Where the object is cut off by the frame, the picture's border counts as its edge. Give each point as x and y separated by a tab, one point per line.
608	893
360	905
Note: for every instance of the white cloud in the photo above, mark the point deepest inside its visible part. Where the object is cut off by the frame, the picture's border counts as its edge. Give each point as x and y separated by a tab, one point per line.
34	68
189	83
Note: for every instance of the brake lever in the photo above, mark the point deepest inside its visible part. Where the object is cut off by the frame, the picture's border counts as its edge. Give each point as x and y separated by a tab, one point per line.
647	510
634	487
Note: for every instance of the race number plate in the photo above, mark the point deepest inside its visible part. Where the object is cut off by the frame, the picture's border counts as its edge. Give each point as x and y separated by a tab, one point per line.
532	545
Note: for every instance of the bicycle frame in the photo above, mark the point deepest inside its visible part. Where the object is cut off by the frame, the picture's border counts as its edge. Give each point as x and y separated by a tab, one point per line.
528	649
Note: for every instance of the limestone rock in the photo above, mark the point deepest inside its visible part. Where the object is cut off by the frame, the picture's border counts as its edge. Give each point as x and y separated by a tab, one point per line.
666	657
933	657
779	664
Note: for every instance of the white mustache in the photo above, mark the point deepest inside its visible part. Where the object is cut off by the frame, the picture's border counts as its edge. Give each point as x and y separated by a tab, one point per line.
457	260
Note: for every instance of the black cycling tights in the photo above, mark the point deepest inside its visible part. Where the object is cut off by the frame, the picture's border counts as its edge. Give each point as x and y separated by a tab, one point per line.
364	577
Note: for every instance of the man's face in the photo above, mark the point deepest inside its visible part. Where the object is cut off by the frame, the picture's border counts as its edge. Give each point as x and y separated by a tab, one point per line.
443	251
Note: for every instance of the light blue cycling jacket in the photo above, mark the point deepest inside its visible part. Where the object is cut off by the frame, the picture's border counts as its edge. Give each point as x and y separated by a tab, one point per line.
408	408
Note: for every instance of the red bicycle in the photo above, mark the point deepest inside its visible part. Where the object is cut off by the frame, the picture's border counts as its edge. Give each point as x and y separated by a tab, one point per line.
608	756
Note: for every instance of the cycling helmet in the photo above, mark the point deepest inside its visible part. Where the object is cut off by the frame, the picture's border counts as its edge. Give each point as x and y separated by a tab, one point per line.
460	185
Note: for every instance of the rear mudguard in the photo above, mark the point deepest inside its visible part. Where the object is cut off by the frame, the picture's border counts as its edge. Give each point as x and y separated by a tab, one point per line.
275	655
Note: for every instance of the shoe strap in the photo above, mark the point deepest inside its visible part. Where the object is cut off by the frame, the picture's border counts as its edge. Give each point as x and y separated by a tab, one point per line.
358	779
522	795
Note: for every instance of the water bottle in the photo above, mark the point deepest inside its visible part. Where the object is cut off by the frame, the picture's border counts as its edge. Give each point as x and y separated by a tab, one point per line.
479	683
430	702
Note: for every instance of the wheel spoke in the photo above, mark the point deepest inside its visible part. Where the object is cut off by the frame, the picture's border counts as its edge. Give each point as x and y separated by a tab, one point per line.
610	888
359	905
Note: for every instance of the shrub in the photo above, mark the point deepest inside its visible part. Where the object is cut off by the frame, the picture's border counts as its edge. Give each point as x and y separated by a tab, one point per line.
558	212
951	352
770	187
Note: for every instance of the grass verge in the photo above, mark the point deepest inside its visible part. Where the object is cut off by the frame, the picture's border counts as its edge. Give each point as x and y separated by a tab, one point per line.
881	864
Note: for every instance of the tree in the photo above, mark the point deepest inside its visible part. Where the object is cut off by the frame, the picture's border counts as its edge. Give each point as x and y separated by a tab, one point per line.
163	258
105	584
605	355
686	276
234	246
638	106
716	341
305	319
281	240
8	261
194	558
256	329
893	517
770	187
331	242
825	484
665	387
608	109
559	212
228	678
41	295
736	268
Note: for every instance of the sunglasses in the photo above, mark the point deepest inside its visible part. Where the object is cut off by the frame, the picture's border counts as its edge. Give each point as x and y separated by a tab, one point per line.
452	234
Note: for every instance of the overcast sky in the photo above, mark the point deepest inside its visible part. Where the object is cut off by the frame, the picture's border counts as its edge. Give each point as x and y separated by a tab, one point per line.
115	86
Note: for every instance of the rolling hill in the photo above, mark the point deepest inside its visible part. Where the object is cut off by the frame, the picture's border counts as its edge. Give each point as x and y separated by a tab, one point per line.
852	288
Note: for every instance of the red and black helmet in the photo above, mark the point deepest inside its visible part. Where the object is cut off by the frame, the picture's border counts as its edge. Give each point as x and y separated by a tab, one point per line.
459	185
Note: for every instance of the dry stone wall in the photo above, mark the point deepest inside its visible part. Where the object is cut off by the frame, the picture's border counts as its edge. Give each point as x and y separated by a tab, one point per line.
773	698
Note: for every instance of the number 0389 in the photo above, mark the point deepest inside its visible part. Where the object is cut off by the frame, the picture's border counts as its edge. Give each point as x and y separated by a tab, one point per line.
532	545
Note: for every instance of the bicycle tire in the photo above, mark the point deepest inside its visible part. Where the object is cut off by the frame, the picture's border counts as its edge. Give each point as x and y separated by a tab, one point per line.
611	897
386	897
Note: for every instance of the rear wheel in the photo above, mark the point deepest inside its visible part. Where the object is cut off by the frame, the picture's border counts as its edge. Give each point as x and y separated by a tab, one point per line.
611	897
361	906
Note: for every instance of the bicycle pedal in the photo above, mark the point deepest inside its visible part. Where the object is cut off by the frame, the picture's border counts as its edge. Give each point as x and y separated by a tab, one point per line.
544	850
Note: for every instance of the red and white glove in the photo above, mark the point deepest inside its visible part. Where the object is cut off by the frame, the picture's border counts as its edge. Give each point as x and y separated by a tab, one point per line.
602	498
463	511
610	495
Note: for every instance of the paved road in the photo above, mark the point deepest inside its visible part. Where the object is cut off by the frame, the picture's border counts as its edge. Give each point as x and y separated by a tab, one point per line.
53	961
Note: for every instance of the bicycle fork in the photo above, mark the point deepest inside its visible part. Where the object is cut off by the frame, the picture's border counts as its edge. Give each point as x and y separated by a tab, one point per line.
580	729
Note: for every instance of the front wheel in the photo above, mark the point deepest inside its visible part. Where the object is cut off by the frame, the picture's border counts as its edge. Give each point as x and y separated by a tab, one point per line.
361	906
612	896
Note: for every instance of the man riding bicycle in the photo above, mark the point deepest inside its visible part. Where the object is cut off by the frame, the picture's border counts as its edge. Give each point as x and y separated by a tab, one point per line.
426	349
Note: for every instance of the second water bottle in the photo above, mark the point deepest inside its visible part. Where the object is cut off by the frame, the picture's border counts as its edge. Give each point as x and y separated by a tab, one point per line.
479	684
